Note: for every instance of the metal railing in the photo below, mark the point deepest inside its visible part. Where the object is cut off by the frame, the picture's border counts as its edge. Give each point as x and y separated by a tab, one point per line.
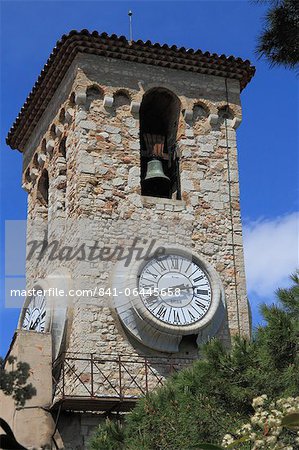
117	377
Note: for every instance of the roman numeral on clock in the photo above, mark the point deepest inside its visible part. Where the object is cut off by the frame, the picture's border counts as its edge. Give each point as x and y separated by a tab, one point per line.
151	274
161	265
202	291
200	304
174	263
198	279
176	317
161	312
188	267
151	300
192	317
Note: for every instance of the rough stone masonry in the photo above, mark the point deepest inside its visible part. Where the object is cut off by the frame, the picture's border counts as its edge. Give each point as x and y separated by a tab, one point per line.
88	140
99	178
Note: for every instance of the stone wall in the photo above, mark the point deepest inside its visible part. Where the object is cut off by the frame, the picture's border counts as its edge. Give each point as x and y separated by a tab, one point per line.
70	423
98	179
32	425
90	147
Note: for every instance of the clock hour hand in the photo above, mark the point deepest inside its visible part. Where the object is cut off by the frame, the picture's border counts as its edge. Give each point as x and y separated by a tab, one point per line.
33	326
182	287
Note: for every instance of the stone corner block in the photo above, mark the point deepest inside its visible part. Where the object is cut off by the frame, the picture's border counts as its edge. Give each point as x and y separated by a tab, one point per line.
213	119
236	122
34	173
26	186
59	130
41	159
134	107
108	101
50	146
80	98
69	114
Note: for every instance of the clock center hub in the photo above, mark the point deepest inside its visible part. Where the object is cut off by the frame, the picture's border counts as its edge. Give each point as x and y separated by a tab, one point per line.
181	289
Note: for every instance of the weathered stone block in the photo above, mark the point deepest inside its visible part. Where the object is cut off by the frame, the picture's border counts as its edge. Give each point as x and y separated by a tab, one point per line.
209	185
80	98
115	138
130	122
134	145
134	107
111	129
88	125
108	101
81	115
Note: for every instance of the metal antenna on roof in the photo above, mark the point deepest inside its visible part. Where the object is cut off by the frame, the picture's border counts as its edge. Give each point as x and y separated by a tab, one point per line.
130	14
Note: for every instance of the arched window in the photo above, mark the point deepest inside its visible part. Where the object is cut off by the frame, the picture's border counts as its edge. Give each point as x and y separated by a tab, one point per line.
159	116
72	100
35	161
53	132
62	147
121	99
93	94
200	112
62	172
43	188
226	116
27	176
62	115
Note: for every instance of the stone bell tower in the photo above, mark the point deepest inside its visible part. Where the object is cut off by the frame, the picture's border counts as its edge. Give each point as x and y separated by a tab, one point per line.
130	164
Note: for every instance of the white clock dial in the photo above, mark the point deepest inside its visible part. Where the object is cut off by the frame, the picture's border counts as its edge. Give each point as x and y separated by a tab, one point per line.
35	313
45	311
161	300
175	289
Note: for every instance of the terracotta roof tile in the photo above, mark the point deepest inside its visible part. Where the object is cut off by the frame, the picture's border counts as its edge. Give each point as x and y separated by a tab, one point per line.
115	47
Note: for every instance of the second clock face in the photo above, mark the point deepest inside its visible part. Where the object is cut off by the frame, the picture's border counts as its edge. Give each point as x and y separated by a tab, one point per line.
175	289
35	314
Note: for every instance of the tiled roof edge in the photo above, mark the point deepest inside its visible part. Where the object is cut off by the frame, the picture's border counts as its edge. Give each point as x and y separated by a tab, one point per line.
115	47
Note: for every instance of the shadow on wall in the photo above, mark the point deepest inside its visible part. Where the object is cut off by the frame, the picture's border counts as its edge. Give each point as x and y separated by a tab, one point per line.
8	440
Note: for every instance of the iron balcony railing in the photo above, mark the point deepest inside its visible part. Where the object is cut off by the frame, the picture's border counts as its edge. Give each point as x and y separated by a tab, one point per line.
109	377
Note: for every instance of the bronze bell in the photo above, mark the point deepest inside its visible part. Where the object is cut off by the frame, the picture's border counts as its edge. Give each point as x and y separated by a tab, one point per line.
156	183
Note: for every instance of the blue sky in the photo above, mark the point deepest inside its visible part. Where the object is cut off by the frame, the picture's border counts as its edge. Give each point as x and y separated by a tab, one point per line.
267	138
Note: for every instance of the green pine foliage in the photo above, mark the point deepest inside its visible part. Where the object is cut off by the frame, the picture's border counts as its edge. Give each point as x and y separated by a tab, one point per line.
279	40
214	396
109	437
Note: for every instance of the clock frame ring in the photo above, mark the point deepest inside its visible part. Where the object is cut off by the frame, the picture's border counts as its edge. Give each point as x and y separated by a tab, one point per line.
215	283
127	277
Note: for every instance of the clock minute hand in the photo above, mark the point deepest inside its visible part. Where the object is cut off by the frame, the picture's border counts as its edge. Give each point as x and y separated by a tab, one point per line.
185	288
178	286
182	287
155	296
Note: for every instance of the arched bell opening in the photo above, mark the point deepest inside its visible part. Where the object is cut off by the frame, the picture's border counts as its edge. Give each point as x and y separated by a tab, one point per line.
159	116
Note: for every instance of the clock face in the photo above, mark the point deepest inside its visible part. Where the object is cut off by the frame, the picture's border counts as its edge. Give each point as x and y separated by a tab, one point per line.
45	311
35	313
175	290
167	297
